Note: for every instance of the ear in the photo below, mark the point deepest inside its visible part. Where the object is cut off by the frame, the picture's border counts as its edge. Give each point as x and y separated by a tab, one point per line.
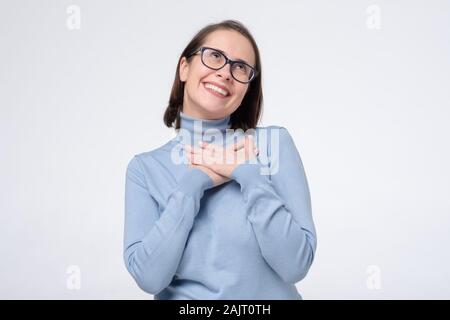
184	69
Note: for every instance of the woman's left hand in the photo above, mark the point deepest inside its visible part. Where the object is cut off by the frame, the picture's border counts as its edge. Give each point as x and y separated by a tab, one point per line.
222	160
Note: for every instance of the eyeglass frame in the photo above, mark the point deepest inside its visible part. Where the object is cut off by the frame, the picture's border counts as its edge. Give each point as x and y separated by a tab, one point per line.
227	61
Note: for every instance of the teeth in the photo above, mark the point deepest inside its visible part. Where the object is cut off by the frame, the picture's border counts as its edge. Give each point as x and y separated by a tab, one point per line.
216	89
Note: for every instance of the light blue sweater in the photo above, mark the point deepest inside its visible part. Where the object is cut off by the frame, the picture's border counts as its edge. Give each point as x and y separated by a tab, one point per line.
252	237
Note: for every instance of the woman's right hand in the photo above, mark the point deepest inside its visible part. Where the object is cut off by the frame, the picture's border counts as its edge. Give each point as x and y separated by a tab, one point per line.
215	177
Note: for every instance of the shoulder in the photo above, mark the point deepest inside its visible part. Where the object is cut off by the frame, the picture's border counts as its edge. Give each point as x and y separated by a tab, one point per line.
148	159
274	135
273	129
277	144
279	150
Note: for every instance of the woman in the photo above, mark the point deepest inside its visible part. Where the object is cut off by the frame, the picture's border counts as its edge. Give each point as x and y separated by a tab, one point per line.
199	227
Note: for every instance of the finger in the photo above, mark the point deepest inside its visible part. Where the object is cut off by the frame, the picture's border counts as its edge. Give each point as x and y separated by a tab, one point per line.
188	148
252	145
207	146
251	141
249	150
239	144
208	157
191	148
196	151
248	145
212	151
196	157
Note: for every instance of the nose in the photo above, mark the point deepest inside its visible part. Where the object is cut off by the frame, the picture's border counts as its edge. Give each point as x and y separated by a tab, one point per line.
225	72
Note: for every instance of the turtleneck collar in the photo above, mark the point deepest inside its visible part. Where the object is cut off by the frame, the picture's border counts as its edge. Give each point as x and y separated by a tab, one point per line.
195	129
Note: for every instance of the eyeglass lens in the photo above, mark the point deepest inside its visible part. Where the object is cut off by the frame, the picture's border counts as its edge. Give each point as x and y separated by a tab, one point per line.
215	60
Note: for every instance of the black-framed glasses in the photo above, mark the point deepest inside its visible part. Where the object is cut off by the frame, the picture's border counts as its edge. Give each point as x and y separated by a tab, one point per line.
216	60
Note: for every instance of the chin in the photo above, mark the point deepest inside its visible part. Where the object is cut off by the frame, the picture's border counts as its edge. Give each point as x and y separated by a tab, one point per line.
214	111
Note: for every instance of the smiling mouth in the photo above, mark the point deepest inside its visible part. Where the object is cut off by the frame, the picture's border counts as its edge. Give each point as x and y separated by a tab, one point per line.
218	92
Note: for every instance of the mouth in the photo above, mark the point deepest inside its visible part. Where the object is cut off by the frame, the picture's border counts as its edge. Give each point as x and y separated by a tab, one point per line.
216	90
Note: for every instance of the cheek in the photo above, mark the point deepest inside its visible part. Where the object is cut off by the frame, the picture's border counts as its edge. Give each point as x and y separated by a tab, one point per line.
201	72
196	75
240	93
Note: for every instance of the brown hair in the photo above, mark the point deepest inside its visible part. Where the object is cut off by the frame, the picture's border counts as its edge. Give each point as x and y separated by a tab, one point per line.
247	115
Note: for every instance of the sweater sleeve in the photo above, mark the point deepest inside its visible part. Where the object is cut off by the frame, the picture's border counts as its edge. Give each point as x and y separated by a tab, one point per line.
154	242
279	210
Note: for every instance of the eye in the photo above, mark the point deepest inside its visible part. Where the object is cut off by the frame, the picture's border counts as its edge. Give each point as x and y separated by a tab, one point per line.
241	67
216	54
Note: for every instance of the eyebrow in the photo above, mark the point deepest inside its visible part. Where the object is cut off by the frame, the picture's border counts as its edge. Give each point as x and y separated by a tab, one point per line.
240	60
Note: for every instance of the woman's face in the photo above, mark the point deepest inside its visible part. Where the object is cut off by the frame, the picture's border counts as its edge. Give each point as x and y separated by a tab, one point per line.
201	102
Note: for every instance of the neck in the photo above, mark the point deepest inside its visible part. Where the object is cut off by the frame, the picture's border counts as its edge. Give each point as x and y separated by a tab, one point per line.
194	129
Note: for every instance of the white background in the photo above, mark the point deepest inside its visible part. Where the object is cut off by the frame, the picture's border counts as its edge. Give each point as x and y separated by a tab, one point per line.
369	110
